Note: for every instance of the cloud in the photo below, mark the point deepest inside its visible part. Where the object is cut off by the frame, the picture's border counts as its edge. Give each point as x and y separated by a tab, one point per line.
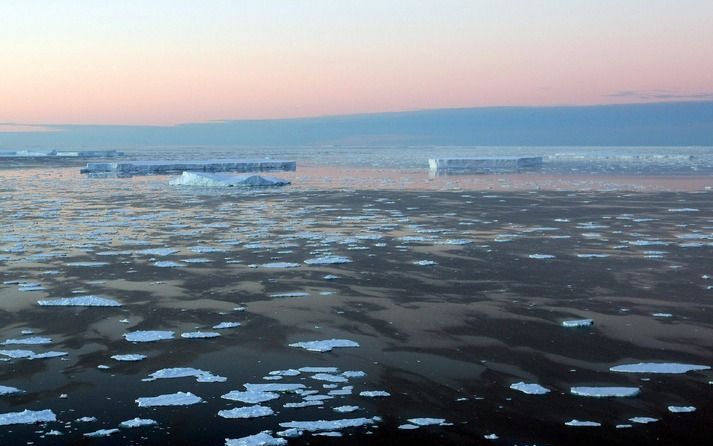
661	95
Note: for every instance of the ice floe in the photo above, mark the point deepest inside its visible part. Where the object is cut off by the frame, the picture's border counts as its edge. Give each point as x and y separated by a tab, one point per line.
202	179
79	301
201	376
149	335
326	345
329	425
541	256
264	438
7	390
137	422
28	354
529	388
374	393
199	334
605	392
578	423
578	323
224	325
346	409
36	340
643	420
171	399
659	367
247	412
328	260
102	433
681	409
250	397
129	357
27	417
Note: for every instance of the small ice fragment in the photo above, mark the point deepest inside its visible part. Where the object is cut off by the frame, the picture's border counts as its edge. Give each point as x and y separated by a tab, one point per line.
426	421
86	420
182	372
329	378
578	423
148	335
326	345
200	335
491	437
681	409
171	399
156	252
324	425
27	417
643	420
7	390
425	263
662	315
605	392
102	433
658	367
250	397
290	294
578	323
28	354
330	277
541	256
224	325
137	422
264	438
273	387
167	264
36	340
129	357
79	301
247	412
279	265
288	372
328	260
302	404
346	409
530	389
354	374
318	369
374	393
408	426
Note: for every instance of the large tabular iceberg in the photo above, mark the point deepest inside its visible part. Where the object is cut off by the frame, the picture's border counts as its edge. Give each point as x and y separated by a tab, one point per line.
202	179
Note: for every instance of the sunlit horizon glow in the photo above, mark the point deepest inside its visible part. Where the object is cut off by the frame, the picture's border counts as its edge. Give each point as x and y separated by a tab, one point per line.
165	62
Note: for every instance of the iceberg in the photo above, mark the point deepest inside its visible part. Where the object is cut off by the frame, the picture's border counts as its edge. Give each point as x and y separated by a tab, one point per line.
160	167
201	179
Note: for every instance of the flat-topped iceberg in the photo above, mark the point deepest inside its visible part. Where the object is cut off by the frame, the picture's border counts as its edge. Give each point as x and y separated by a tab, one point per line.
79	301
27	417
171	399
605	392
202	179
659	367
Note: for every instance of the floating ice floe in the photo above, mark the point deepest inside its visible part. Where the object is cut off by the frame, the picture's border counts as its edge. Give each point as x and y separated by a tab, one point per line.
331	425
491	437
302	404
346	409
7	390
424	263
156	252
102	433
659	367
605	392
264	438
374	393
79	301
290	294
202	179
683	210
27	417
200	335
28	354
224	325
420	422
326	345
529	388
681	409
578	323
250	397
148	335
329	378
643	420
278	265
129	357
273	387
137	422
171	399
36	340
541	256
592	256
247	412
88	264
327	260
578	423
201	376
167	264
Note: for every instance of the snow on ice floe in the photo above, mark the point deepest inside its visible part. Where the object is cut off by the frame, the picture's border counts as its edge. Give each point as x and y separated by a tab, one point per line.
331	425
659	367
578	423
129	357
7	390
681	409
79	301
224	325
199	334
578	323
302	404
27	417
529	388
328	260
541	256
318	370
250	397
148	335
28	354
102	433
326	345
374	393
35	340
247	412
592	256
264	438
137	422
201	376
171	399
605	392
420	422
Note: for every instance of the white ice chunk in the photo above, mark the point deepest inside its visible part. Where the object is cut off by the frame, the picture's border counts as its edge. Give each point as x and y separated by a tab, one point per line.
28	354
659	367
250	397
541	256
35	340
530	389
328	260
27	417
374	393
346	409
681	409
329	378
7	390
137	422
182	372
578	423
605	392
247	412
578	323
331	425
167	264
273	387
318	369
426	421
326	345
102	433
80	301
148	335
129	357
202	179
171	399
156	252
279	265
264	438
200	334
224	325
643	420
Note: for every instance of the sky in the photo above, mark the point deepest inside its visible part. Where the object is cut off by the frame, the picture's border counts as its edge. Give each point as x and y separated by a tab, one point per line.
160	62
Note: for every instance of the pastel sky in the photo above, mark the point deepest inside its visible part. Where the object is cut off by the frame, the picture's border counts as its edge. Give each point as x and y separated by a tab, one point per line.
167	61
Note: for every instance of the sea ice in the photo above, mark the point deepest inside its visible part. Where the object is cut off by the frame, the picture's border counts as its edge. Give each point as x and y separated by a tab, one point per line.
426	421
273	387
172	399
102	433
167	264
643	420
224	325
202	179
162	252
7	390
541	256
250	397
28	354
129	357
80	301
247	412
27	417
148	335
424	263
264	438
530	389
605	392
200	335
374	393
346	409
137	422
326	345
578	423
324	425
681	409
327	260
36	340
182	372
578	323
329	378
658	367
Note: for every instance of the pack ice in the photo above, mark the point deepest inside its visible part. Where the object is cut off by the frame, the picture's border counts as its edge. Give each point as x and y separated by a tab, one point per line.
202	179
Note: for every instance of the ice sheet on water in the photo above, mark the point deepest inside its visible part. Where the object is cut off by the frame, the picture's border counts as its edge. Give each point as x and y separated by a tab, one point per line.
87	264
681	409
167	264
329	425
643	420
202	179
35	340
79	301
148	335
541	256
326	345
605	392
156	252
247	412
137	422
329	378
288	372
290	294
250	397
199	334
374	393
273	387
7	390
302	404
277	265
129	357
424	263
426	421
171	399
224	325
264	438
318	369
529	388
28	354
102	433
27	417
578	323
578	423
201	376
346	409
328	260
659	367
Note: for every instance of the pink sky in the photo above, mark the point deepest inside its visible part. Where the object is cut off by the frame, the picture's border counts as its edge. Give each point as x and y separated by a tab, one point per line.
164	63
